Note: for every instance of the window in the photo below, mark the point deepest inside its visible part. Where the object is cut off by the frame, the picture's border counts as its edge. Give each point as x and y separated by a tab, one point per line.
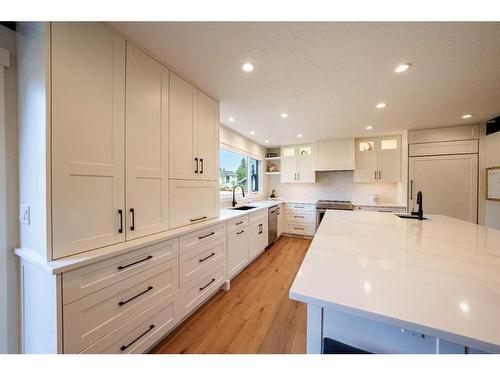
238	169
366	146
389	144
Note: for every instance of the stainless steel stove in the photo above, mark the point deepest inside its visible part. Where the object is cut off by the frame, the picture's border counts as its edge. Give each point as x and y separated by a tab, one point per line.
323	205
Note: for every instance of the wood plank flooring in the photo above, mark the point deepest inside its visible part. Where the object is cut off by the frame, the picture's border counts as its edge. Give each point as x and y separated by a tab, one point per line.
255	315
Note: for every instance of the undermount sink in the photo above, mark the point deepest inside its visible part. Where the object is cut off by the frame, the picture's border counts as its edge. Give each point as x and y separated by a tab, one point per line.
408	216
243	208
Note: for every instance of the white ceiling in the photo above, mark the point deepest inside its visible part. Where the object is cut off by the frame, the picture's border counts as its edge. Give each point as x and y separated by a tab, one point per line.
329	76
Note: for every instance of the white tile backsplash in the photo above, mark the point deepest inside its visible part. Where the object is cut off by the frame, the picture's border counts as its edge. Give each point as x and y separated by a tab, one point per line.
335	185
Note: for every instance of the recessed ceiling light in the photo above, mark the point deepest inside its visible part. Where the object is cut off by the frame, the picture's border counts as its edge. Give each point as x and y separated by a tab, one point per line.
299	135
369	127
381	105
284	115
467	115
230	119
247	67
266	141
252	132
402	68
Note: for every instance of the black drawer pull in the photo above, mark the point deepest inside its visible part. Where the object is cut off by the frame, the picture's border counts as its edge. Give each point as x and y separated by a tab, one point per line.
198	218
300	217
239	222
120	229
124	347
206	235
138	261
261	229
121	303
196	160
204	259
203	287
241	231
201	161
298	228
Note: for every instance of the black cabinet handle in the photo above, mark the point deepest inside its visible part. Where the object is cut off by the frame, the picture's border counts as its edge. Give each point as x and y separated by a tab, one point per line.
299	217
131	264
239	223
201	161
132	211
196	160
375	175
203	287
379	175
241	231
121	303
206	235
411	190
198	218
124	347
208	257
120	229
261	229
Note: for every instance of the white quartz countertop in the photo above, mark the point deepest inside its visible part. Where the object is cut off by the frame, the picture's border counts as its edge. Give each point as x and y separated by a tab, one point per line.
80	260
439	276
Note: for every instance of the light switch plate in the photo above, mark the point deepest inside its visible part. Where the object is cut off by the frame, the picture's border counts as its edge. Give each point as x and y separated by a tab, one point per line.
24	214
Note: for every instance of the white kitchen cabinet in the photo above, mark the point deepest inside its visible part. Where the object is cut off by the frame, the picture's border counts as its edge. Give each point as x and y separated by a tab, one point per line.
448	184
257	236
281	219
297	165
378	159
147	144
192	201
237	251
208	138
194	132
183	129
335	155
88	135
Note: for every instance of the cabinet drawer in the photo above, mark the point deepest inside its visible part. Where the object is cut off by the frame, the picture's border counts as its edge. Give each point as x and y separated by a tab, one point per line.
307	230
198	260
96	315
89	279
193	201
240	222
200	237
140	332
201	287
299	217
259	215
301	207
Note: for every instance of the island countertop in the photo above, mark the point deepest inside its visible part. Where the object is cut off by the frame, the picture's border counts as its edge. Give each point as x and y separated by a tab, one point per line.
441	275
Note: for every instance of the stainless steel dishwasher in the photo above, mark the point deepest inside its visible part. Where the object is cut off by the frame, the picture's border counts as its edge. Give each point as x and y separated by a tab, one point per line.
273	213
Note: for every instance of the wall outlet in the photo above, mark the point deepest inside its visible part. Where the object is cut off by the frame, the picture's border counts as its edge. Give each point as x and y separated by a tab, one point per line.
24	214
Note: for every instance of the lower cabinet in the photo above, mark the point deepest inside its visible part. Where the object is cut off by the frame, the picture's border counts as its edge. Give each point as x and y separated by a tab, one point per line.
193	201
237	250
257	237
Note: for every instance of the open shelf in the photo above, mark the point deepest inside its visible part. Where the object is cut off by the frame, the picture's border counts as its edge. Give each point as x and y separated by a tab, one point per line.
274	158
273	172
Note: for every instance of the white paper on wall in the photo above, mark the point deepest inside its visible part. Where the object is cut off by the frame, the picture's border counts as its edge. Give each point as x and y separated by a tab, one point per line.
493	183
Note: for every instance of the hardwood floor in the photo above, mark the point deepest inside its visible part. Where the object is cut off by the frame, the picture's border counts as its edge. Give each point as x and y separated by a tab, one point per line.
255	315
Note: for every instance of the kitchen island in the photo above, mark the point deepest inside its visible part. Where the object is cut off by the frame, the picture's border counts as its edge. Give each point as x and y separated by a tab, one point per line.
385	284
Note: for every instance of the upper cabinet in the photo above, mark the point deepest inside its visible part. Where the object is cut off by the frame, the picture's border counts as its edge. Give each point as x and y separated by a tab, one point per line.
88	136
297	164
378	159
109	130
194	132
335	155
146	145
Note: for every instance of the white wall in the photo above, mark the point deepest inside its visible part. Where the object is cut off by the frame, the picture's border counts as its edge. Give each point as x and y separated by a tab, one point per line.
492	158
9	202
336	186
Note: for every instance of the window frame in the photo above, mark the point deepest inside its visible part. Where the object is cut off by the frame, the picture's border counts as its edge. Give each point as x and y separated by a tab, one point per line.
225	196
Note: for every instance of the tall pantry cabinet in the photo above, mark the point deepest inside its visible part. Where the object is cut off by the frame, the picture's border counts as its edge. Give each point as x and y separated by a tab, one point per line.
116	138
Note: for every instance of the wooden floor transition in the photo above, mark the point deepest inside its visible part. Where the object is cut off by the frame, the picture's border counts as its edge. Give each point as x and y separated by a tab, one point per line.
255	315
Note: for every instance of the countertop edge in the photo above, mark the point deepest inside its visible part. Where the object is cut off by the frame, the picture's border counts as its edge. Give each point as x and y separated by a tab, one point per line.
430	331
